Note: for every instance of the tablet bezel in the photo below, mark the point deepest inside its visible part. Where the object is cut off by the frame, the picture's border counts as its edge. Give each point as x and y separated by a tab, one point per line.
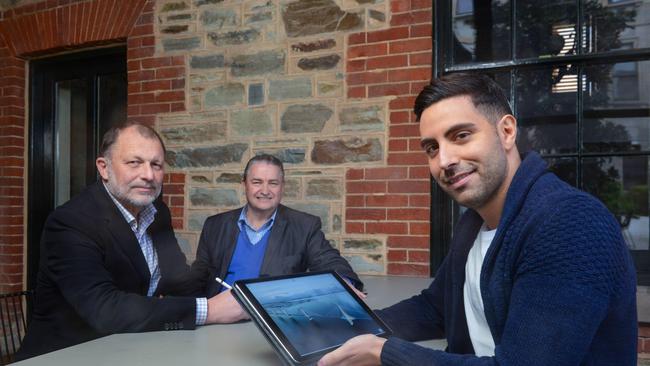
274	333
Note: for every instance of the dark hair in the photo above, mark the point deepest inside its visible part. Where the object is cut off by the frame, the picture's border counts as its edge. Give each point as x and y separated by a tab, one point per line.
263	158
110	137
487	96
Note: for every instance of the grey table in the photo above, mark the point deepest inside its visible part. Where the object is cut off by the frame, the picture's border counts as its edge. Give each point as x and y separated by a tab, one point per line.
223	344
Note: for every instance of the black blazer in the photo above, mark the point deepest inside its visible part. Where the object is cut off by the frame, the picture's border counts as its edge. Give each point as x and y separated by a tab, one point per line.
296	244
93	278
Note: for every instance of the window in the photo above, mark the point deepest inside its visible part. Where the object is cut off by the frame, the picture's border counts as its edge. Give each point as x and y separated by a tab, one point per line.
578	73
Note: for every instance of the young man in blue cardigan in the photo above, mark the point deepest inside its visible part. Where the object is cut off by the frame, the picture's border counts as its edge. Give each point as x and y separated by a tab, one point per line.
538	272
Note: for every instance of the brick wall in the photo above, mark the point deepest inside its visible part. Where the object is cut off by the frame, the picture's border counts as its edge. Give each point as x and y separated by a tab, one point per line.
394	200
12	169
644	344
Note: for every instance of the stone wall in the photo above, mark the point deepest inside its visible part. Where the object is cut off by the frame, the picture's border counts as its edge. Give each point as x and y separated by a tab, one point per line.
327	86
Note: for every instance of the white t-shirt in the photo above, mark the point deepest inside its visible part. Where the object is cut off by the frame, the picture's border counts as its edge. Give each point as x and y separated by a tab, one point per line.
479	331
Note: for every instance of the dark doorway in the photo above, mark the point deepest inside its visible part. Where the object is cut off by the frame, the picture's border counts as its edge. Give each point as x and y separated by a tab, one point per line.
74	99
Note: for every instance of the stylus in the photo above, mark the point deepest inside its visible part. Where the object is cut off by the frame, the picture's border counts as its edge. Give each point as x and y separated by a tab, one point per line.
223	283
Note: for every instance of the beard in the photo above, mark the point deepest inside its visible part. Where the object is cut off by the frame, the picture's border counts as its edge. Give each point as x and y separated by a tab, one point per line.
492	175
124	194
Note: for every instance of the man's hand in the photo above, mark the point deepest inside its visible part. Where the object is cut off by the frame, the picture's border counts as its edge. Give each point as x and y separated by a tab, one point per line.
364	350
223	308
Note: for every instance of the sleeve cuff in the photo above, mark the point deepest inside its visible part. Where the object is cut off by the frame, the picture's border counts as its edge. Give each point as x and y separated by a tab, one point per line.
201	310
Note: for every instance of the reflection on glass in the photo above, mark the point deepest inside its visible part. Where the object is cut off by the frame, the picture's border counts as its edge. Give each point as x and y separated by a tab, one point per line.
565	169
71	139
621	183
547	118
613	24
484	37
112	100
545	28
617	108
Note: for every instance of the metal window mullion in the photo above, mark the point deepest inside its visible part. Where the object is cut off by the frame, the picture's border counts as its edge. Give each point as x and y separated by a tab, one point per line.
579	123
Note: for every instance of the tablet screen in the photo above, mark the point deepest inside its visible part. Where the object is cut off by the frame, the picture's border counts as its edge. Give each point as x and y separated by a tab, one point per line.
314	312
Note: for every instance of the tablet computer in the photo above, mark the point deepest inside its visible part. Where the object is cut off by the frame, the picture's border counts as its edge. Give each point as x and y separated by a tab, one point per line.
305	316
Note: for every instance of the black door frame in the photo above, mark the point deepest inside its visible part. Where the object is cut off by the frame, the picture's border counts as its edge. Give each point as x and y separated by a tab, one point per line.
44	74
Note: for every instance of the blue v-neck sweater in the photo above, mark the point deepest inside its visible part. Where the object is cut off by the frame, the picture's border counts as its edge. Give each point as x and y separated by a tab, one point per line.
558	285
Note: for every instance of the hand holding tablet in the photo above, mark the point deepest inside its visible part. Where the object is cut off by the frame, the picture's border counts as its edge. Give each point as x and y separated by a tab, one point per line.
307	315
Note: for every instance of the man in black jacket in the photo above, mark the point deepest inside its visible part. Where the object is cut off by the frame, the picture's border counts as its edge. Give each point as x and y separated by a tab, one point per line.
110	262
265	238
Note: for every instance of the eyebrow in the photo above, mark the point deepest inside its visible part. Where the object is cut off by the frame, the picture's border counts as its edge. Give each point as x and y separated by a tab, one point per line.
461	126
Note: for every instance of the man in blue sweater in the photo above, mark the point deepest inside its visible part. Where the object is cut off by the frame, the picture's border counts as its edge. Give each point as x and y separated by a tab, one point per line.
538	272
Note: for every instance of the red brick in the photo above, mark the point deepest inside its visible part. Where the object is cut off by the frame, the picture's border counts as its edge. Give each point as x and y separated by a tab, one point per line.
174	189
177	224
396	228
176	211
177	107
134	87
400	117
368	50
357	92
409	186
386	173
141	98
421	4
416	88
420	73
170	72
397	145
177	177
355	201
421	16
402	103
410	45
356	65
407	158
133	65
156	85
421	172
148	41
397	6
178	84
154	108
388	89
141	52
405	130
408	269
416	214
141	75
415	145
421	256
388	34
386	62
371	77
644	331
156	62
177	201
365	214
11	172
354	228
177	60
366	187
170	96
11	191
357	38
396	255
419	228
393	200
11	220
410	242
354	174
421	30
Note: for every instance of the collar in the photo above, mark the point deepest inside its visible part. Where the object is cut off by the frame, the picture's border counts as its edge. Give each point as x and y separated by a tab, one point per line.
243	220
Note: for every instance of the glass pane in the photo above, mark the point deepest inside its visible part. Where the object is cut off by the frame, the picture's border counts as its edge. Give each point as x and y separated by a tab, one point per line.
545	28
481	38
615	25
617	107
70	139
622	184
546	110
112	101
565	168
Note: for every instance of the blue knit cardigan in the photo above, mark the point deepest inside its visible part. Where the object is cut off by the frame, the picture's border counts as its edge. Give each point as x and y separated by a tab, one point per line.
558	285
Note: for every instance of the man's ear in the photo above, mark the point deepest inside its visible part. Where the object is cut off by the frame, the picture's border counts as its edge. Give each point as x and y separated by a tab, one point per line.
507	130
102	167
